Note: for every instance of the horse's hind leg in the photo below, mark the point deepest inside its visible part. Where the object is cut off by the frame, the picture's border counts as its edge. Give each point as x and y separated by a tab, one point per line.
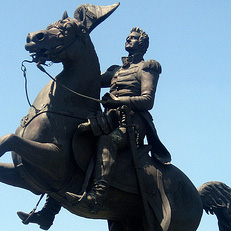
43	155
9	175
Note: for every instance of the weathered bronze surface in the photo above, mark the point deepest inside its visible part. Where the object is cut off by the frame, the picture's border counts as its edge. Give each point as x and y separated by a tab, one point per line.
48	160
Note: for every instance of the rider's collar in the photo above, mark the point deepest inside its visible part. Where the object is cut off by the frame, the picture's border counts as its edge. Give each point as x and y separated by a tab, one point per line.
136	58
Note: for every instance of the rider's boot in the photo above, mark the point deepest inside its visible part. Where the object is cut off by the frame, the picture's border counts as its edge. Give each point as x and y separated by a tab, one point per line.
43	218
92	199
106	156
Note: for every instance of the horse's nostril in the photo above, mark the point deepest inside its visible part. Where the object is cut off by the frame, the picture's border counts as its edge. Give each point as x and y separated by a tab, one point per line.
40	36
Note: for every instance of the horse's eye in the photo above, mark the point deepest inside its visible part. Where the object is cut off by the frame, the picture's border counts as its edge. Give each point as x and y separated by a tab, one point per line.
61	36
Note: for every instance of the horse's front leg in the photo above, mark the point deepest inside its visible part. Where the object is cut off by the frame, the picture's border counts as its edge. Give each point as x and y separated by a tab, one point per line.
39	154
5	143
10	176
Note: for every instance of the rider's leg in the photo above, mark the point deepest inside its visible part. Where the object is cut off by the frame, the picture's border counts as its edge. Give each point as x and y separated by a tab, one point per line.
45	217
107	148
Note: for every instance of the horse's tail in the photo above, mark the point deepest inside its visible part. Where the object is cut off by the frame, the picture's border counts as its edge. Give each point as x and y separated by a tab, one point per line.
216	199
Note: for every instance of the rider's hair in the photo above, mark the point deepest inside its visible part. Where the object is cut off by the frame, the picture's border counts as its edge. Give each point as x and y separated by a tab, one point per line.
143	38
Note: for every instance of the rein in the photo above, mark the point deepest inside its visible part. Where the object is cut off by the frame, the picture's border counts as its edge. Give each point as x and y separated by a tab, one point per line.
23	68
41	68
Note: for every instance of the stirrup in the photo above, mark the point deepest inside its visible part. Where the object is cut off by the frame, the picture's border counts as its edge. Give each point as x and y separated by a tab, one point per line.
90	202
74	198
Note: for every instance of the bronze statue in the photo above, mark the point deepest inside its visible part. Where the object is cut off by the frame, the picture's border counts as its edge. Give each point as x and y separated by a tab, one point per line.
52	156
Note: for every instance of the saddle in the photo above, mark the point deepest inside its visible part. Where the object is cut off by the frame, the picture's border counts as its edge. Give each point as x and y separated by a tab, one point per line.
124	173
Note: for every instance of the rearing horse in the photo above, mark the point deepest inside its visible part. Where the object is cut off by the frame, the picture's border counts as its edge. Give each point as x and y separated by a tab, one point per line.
43	140
42	146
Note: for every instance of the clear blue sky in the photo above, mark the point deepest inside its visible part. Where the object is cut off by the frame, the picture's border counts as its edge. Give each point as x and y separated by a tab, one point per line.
191	40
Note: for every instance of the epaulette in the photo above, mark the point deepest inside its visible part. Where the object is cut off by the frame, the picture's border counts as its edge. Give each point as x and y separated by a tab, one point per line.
153	65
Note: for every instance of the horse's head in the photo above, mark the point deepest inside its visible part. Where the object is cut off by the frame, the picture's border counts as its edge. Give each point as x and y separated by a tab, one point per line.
66	38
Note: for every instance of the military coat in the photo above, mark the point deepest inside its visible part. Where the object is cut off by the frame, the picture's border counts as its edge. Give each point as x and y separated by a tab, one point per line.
134	83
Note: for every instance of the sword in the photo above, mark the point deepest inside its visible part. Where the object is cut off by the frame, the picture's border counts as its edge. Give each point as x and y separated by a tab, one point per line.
131	135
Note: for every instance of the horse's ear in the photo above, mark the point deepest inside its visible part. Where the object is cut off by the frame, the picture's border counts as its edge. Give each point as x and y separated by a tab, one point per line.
65	15
91	15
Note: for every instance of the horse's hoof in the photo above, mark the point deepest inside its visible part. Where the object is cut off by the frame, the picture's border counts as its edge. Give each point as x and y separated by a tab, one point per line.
45	221
24	217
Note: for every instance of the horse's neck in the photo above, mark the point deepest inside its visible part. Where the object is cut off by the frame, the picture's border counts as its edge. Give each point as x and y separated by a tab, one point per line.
82	76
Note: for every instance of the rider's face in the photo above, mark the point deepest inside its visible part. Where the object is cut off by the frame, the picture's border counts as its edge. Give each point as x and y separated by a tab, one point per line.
132	43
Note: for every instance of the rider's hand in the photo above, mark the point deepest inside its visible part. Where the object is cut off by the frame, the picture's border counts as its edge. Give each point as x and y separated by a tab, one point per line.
111	101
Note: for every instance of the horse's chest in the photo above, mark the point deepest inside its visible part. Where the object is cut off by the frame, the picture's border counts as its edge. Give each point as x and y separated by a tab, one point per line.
55	96
49	128
52	114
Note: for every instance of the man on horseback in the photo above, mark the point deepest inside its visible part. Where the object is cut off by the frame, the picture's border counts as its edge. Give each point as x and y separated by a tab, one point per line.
132	84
